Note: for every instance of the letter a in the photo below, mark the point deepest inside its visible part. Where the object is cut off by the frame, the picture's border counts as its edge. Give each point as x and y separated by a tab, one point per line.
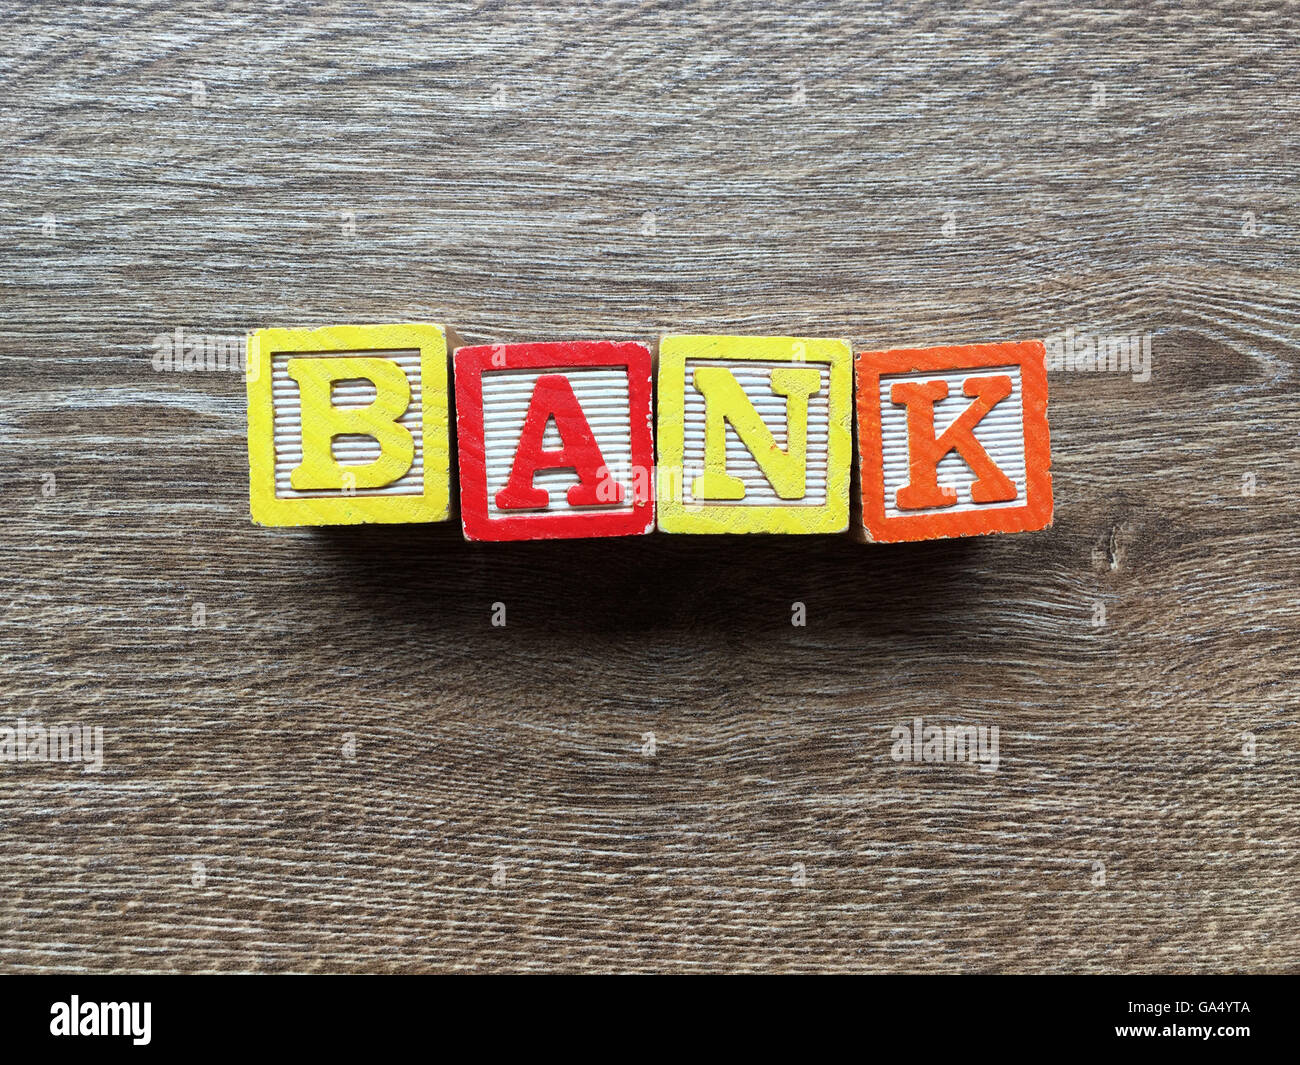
925	451
553	398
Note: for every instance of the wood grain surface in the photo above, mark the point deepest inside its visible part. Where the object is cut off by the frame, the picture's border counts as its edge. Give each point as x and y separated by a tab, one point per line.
340	764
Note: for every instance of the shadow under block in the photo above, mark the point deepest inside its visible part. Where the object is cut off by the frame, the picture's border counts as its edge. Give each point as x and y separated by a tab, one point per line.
554	440
348	424
754	434
953	441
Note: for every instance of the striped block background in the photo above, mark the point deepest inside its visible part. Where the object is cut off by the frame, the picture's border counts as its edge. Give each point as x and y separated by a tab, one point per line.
603	394
756	380
349	449
1001	433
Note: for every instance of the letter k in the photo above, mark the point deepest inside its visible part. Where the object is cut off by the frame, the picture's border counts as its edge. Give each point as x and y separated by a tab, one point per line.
925	450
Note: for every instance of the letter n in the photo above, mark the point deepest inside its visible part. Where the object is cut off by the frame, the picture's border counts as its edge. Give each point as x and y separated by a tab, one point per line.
726	403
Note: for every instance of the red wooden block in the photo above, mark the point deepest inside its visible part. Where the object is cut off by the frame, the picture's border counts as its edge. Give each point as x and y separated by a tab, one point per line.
554	440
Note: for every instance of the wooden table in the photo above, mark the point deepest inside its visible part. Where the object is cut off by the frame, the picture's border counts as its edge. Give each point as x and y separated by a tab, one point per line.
338	763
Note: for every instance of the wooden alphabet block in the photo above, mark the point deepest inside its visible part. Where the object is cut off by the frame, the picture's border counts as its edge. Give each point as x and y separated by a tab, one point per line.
554	440
348	424
953	441
754	434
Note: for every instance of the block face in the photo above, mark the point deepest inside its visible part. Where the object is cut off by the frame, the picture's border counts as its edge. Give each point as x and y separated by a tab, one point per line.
604	395
1000	433
953	441
348	424
352	449
754	434
755	380
554	440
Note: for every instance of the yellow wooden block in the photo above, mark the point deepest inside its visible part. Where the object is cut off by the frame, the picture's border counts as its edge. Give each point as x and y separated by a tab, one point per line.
754	434
348	424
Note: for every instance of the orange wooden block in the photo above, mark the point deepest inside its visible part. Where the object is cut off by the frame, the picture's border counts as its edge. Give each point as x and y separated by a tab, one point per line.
953	441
